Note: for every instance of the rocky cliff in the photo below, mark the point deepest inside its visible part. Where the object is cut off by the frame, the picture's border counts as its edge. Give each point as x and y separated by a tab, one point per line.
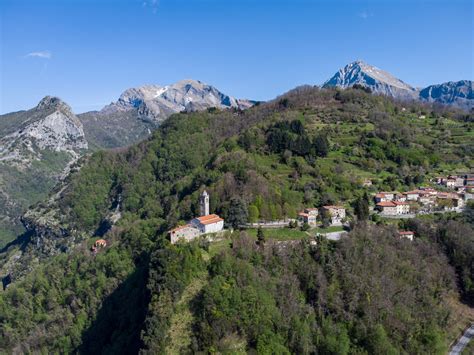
457	93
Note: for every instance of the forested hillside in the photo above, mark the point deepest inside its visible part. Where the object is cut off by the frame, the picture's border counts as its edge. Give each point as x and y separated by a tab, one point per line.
368	292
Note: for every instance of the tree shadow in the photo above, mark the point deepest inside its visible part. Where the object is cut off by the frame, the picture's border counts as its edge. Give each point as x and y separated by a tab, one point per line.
22	240
117	327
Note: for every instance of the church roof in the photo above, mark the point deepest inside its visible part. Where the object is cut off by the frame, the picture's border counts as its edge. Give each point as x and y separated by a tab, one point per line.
209	219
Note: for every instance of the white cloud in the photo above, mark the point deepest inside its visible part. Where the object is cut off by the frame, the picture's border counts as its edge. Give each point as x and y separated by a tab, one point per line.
40	54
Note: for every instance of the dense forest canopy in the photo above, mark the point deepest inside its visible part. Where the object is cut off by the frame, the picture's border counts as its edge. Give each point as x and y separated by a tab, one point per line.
368	293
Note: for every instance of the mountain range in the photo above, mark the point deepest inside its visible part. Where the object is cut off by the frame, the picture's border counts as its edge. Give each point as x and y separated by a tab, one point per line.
39	146
459	94
97	274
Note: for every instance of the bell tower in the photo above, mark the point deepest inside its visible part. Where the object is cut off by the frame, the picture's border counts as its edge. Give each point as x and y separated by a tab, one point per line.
204	203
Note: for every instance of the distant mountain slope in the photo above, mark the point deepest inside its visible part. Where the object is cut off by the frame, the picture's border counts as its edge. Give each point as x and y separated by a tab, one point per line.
378	80
458	93
140	110
36	146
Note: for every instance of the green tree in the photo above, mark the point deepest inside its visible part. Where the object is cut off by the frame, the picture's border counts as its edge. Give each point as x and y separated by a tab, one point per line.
260	236
321	145
325	218
237	214
361	207
254	214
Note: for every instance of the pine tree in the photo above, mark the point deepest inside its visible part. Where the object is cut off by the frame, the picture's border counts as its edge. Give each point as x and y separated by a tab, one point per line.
260	236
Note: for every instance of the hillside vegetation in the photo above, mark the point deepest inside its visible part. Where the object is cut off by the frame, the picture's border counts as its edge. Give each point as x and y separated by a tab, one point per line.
368	293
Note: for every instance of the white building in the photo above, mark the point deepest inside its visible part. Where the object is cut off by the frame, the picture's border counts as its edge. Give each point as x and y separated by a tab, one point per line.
337	213
206	223
309	216
412	195
406	234
402	207
393	208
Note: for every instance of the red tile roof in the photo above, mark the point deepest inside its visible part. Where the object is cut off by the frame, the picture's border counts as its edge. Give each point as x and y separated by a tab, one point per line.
386	204
209	219
406	233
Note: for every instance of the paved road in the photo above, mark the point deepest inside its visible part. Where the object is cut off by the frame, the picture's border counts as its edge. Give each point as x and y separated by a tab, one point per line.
457	348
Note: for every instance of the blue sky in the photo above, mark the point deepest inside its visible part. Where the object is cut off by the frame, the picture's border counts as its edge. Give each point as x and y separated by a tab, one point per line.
87	52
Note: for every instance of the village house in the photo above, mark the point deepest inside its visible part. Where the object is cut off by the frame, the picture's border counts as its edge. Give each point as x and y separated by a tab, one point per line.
426	200
456	200
459	181
387	208
309	216
206	223
393	208
400	197
381	197
427	191
337	213
450	183
453	181
412	195
389	195
469	181
406	234
402	207
98	244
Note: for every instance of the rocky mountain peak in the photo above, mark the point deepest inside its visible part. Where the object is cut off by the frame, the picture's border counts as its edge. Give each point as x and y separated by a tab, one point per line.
53	102
378	80
50	125
156	102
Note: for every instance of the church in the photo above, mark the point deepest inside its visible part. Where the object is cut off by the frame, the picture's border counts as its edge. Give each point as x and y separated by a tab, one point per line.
206	223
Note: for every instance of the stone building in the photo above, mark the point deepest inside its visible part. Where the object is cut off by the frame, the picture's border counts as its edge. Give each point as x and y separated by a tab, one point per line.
206	223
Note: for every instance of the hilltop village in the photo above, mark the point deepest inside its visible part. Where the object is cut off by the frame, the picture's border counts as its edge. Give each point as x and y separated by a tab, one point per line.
452	195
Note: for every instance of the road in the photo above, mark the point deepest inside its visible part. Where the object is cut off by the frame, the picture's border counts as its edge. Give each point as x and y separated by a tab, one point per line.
459	346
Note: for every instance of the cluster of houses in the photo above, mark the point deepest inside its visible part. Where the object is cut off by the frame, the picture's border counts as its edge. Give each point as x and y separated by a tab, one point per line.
206	223
310	215
425	198
461	183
